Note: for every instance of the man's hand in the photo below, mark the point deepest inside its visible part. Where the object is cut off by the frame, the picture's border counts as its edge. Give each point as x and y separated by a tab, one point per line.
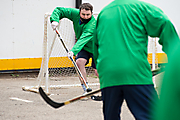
70	54
54	25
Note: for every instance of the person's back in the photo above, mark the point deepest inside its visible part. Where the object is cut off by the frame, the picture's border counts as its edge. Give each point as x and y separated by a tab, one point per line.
120	52
123	28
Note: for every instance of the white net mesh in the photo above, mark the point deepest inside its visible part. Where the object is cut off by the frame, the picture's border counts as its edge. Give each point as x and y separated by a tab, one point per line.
55	62
152	52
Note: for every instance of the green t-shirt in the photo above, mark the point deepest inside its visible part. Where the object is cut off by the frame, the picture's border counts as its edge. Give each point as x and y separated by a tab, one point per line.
121	40
169	104
84	32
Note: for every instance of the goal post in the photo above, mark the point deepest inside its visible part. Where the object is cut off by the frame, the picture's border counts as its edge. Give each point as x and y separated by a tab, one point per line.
54	57
153	55
55	63
153	52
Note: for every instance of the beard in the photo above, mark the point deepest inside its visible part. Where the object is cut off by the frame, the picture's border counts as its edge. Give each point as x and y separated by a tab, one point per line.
85	20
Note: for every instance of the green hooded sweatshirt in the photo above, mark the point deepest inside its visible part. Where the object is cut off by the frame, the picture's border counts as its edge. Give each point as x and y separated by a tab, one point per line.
84	32
121	40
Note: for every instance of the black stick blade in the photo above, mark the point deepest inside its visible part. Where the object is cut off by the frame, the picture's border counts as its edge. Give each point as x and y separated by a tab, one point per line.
48	100
158	71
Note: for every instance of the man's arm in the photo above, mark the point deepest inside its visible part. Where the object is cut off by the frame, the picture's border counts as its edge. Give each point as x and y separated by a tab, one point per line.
159	25
61	12
82	41
86	36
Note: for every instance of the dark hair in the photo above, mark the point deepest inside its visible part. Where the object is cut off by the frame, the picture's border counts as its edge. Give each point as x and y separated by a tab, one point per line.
86	6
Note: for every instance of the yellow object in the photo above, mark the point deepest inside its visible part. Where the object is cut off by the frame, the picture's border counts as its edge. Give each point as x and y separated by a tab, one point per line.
35	63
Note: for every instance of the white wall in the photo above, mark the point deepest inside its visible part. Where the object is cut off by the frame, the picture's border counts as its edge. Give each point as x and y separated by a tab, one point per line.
97	4
21	26
21	23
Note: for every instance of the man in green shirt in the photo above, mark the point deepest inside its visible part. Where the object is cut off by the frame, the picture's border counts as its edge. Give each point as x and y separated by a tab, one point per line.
84	24
120	53
169	103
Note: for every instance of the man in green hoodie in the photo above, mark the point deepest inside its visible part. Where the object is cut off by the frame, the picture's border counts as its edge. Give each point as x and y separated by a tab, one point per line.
120	53
84	25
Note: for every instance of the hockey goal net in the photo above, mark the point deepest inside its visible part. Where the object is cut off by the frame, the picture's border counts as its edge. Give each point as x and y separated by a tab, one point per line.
153	52
55	62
